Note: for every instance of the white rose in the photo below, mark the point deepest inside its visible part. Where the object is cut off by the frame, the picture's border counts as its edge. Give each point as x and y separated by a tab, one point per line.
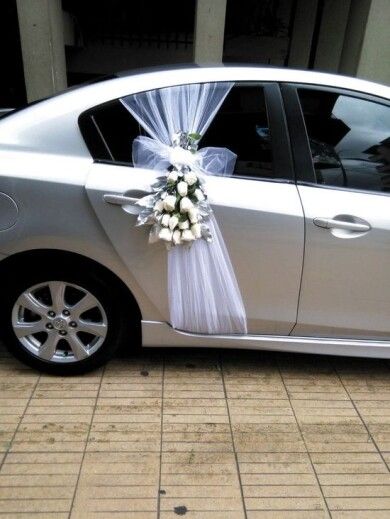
199	195
185	205
196	230
165	220
176	238
172	177
169	203
173	221
187	235
159	206
165	234
193	215
184	225
182	188
190	178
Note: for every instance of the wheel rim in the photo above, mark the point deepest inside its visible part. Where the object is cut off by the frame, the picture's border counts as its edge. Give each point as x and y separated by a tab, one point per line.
59	322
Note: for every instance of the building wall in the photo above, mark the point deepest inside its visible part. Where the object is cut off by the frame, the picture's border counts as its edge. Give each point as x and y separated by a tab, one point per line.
346	36
366	51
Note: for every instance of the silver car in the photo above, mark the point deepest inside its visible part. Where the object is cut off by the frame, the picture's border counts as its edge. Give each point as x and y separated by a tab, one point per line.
305	217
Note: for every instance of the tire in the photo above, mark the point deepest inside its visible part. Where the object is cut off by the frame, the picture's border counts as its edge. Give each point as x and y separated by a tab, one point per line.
52	343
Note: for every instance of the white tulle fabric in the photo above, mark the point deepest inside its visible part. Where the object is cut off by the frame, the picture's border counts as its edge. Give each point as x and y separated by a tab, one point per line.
203	292
152	154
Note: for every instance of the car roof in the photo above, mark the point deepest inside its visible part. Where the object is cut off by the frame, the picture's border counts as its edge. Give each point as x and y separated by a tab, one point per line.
157	77
136	80
268	73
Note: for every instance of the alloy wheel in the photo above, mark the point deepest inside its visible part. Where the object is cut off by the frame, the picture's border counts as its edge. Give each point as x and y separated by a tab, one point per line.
59	322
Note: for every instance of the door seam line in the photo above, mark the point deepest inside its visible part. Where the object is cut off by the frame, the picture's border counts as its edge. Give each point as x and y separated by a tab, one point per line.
303	262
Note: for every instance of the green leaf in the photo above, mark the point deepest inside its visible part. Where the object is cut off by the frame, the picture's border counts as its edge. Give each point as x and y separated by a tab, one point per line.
195	136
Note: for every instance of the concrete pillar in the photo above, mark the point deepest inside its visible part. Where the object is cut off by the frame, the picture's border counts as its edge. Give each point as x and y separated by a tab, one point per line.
42	42
302	36
209	31
366	50
331	37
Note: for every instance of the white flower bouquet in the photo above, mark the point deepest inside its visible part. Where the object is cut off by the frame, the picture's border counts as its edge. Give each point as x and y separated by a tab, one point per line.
178	209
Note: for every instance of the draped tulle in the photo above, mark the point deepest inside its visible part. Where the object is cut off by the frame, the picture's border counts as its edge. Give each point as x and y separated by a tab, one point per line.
203	292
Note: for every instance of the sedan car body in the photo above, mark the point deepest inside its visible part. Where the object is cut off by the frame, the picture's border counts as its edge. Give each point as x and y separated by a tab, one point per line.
305	217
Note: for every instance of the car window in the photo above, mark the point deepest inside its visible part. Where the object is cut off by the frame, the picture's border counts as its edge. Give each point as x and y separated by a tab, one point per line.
109	131
240	125
349	140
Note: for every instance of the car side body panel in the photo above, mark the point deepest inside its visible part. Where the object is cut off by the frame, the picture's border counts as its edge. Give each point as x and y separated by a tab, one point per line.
346	283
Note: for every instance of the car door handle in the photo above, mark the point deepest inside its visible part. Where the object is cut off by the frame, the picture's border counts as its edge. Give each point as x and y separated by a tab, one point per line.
334	223
120	199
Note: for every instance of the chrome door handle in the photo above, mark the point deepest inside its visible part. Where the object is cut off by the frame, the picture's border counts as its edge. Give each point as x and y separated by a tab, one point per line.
120	199
333	223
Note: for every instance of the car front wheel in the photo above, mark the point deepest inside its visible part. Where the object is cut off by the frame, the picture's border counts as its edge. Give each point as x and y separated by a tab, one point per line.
62	322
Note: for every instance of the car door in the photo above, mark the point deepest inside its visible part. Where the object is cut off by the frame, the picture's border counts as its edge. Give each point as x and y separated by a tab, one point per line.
258	208
343	155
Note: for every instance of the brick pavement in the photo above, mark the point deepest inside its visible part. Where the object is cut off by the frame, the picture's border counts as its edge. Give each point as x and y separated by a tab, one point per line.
198	434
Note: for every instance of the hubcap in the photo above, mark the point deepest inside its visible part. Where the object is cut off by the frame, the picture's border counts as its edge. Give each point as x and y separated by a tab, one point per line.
59	322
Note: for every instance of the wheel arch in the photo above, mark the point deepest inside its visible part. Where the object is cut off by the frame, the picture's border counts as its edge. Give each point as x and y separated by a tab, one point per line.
10	265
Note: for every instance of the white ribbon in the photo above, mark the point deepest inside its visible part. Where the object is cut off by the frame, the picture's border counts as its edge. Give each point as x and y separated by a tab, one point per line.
152	154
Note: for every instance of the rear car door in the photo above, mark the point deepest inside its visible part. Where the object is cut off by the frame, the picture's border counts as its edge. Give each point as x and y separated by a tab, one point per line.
342	156
258	208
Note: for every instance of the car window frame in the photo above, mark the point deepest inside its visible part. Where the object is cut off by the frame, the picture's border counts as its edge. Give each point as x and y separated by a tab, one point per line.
282	158
302	158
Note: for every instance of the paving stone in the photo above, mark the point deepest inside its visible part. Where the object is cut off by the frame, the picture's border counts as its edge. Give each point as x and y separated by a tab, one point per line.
288	514
282	491
40	468
204	514
42	515
359	503
356	490
285	503
361	514
201	503
108	506
205	491
83	514
34	506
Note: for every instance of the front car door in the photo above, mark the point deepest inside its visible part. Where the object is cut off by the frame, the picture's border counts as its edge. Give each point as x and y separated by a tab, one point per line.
342	154
258	208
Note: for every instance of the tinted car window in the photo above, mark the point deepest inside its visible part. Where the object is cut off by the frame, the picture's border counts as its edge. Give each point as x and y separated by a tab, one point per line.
109	131
349	140
240	125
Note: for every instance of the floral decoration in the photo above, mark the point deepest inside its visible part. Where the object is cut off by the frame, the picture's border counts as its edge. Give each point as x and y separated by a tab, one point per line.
178	209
